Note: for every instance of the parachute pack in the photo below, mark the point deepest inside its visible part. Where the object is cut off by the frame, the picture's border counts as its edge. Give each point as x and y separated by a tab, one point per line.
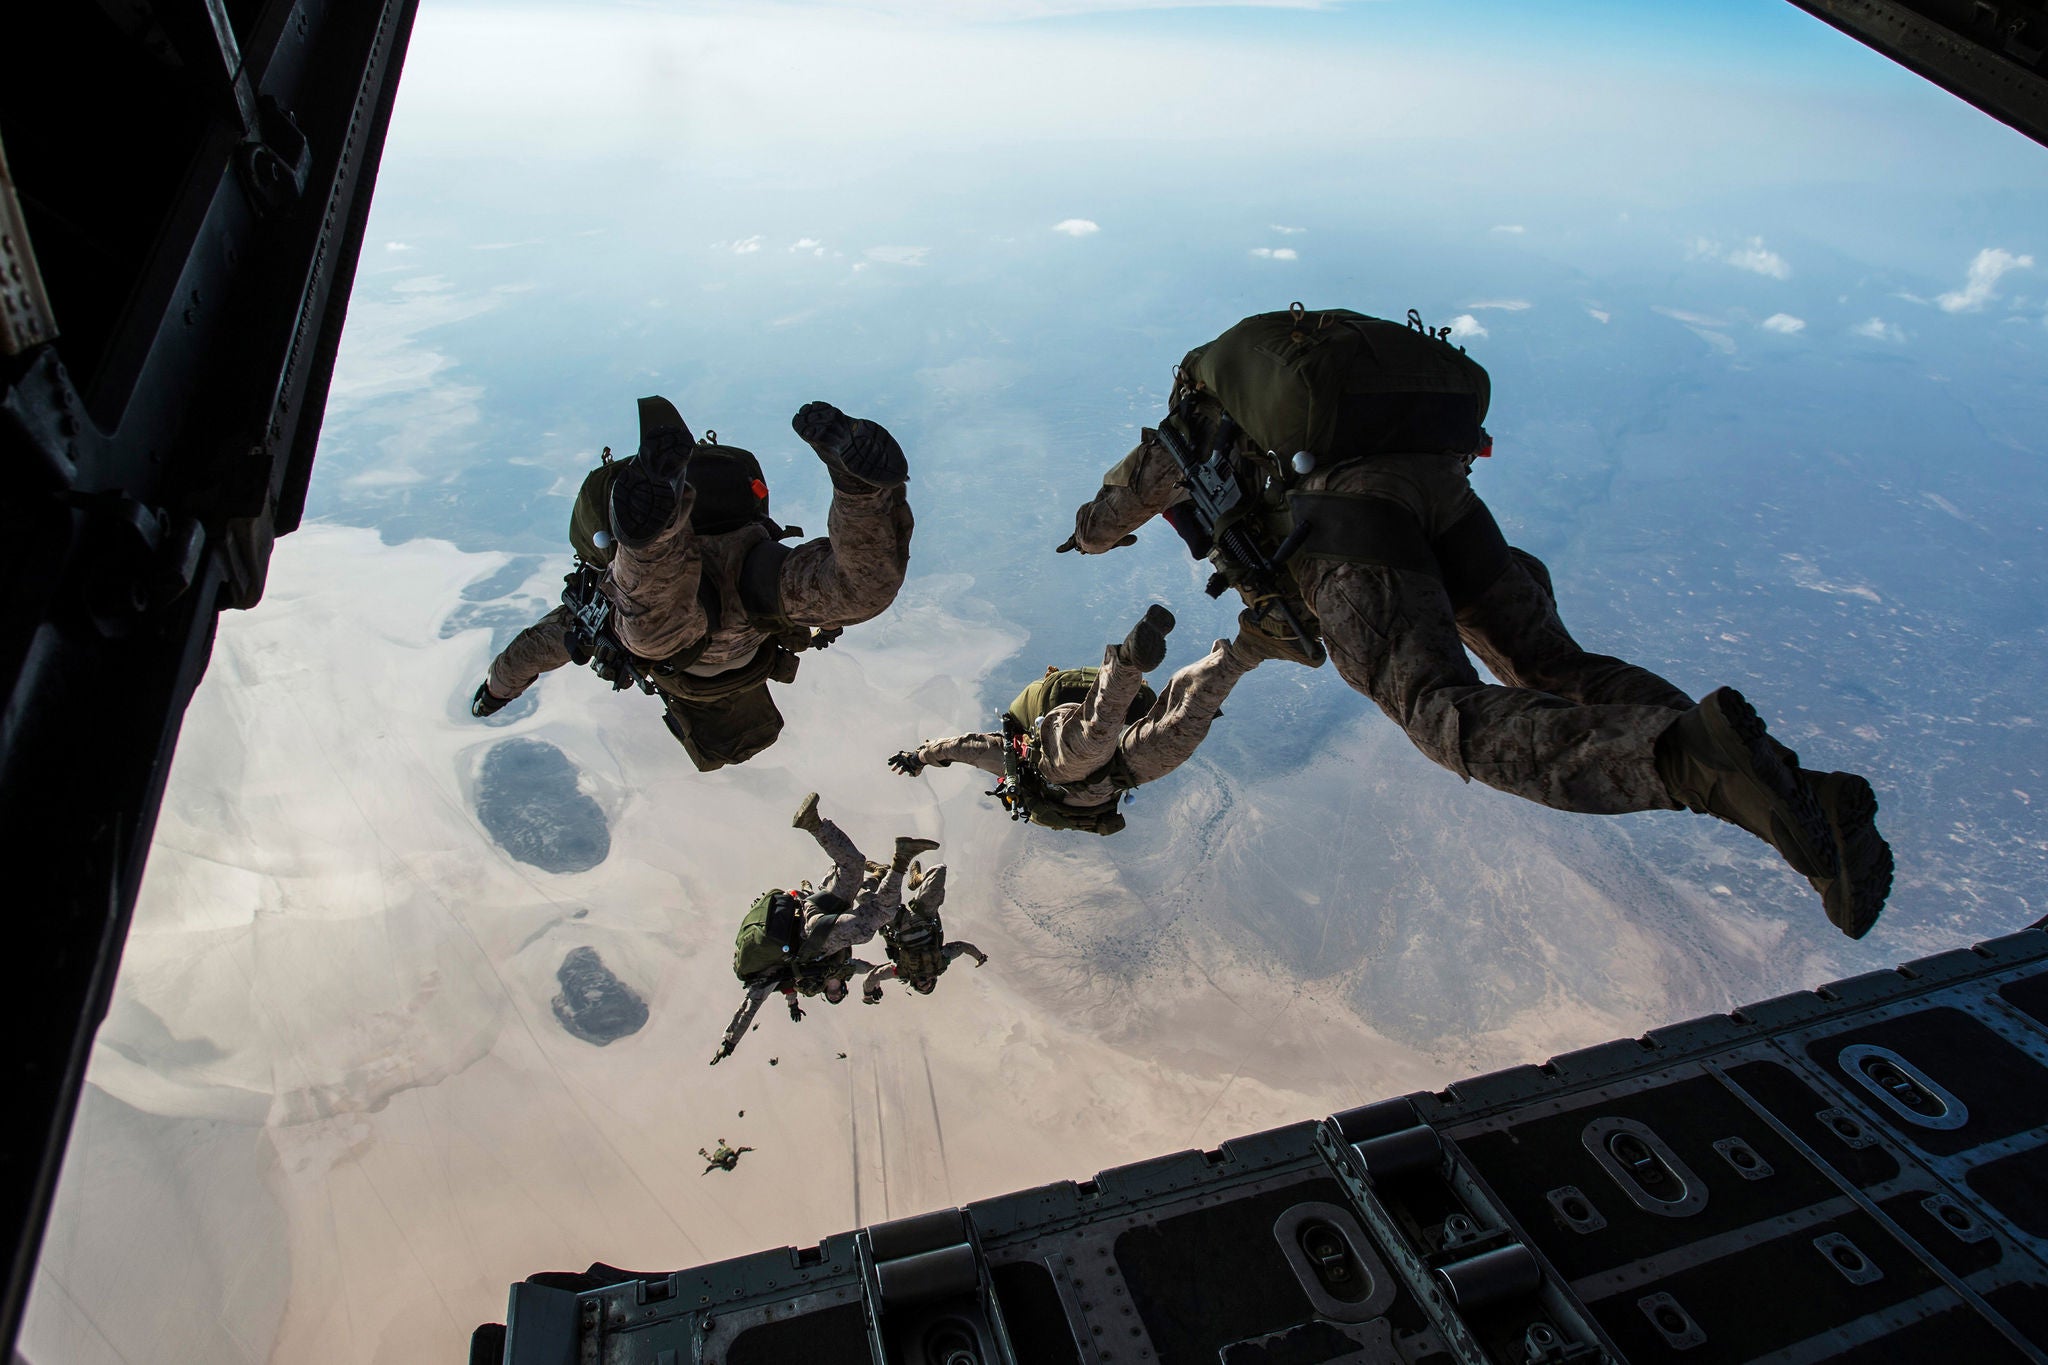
768	937
1025	792
1342	385
1287	394
730	491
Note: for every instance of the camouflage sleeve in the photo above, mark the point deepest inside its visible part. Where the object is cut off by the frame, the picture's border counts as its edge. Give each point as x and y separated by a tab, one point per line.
541	646
954	950
981	751
1137	488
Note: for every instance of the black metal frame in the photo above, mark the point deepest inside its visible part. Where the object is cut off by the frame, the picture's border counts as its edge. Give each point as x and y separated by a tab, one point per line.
188	183
1993	53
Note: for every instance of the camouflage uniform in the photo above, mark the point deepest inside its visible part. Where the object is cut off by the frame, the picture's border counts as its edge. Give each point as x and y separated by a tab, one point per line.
847	908
1568	729
848	576
1078	740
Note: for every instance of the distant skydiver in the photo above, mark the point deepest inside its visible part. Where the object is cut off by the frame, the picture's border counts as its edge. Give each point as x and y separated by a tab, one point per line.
1321	461
1074	742
916	940
801	942
724	1158
683	586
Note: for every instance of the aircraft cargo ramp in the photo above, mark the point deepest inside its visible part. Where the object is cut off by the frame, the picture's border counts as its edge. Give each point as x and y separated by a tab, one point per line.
1855	1173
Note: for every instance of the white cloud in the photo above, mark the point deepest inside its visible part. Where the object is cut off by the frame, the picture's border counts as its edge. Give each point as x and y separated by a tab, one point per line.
1511	229
898	255
747	246
810	244
1720	341
1276	253
1077	227
1784	323
1877	329
1465	325
1286	231
1505	305
1598	314
398	246
1752	256
1981	287
1755	258
1689	319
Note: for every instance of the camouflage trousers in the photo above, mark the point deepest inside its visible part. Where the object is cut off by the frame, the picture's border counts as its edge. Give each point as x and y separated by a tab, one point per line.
845	913
1568	729
1079	738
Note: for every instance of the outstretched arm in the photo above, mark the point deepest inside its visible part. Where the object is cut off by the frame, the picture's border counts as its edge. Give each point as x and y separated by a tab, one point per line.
737	1029
1138	488
954	950
983	751
871	989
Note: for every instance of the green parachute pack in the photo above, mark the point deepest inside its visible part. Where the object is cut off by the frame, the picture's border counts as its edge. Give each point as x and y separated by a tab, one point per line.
730	494
1341	385
768	937
1025	791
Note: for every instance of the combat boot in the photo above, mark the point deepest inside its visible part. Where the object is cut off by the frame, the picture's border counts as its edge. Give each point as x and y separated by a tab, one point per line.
1855	895
862	455
806	817
1717	759
908	848
649	487
1145	647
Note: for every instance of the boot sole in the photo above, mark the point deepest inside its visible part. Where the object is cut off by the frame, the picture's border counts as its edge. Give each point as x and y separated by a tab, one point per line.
1145	647
862	448
1800	821
1855	896
642	507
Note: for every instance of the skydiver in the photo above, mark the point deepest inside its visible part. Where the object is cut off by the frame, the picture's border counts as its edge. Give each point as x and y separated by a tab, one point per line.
724	1158
1397	569
1074	742
916	939
801	942
693	592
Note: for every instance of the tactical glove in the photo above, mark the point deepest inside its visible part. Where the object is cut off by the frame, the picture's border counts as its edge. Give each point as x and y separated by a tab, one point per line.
907	762
1070	543
486	702
874	999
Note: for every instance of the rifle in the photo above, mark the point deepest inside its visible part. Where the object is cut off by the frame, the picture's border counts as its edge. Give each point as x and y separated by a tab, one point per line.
1216	492
590	637
737	1029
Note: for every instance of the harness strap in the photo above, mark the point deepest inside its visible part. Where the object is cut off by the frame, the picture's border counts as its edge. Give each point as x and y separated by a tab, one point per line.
761	585
1473	554
1358	528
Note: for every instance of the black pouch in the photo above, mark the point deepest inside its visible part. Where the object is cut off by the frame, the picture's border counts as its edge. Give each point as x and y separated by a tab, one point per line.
731	729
